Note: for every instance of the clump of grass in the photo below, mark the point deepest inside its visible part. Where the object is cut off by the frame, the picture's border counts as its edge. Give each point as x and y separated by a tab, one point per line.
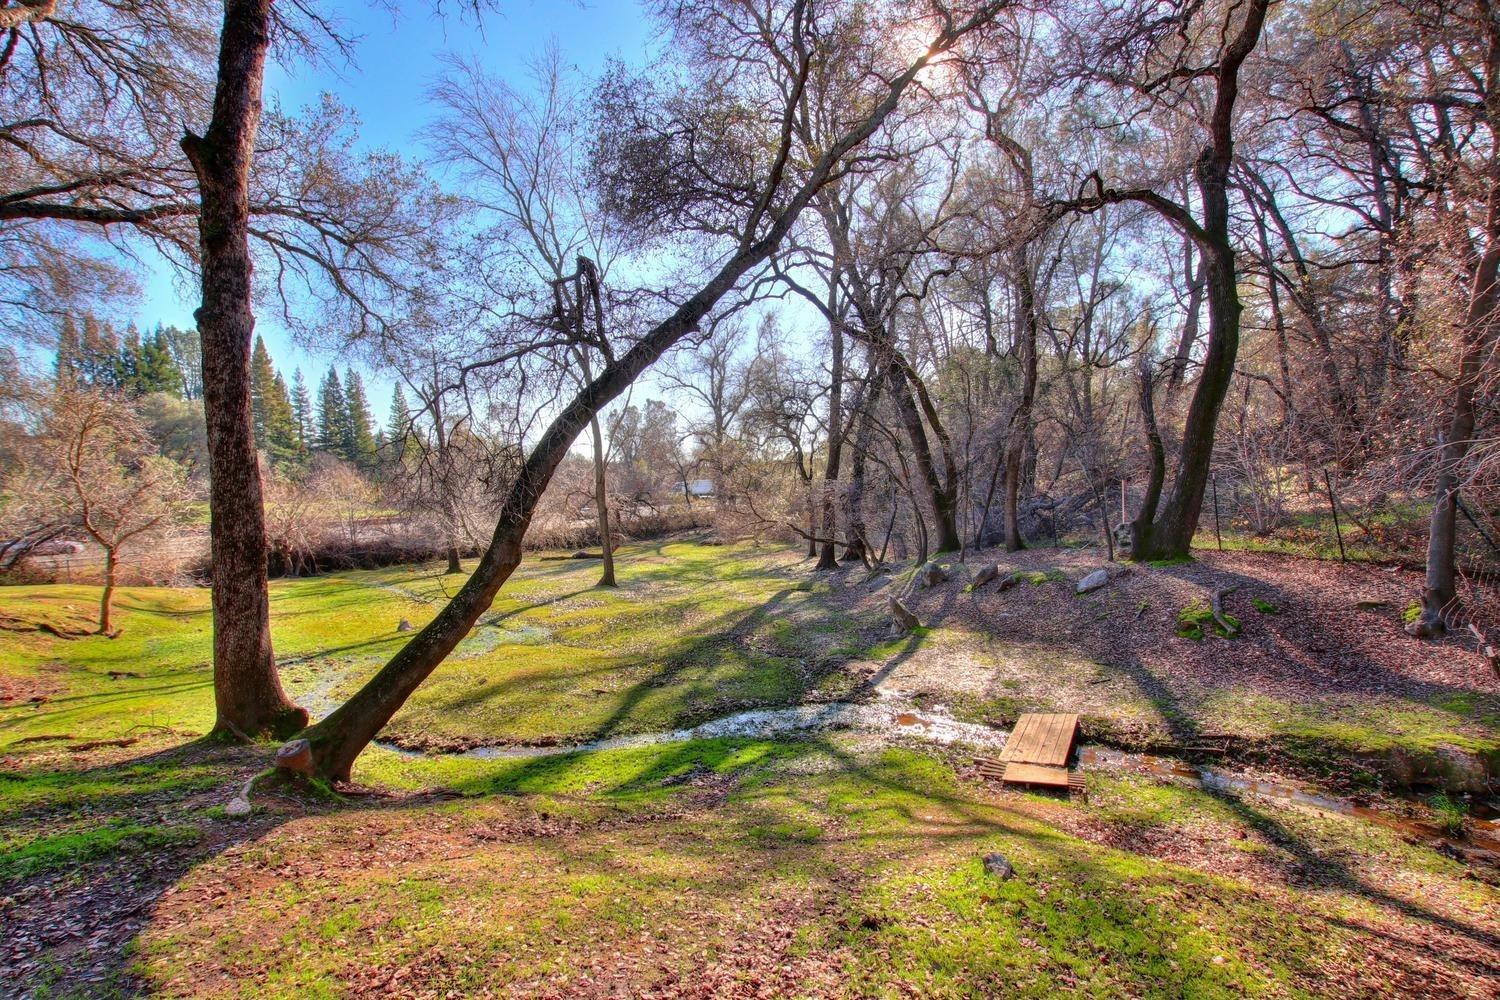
791	832
1265	607
1197	620
1037	577
1449	814
22	859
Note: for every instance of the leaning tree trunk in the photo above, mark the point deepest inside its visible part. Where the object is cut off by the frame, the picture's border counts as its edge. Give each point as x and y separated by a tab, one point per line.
247	691
1171	535
1440	589
337	740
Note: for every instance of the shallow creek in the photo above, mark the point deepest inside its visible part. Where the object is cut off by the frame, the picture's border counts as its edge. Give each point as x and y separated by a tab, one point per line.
893	715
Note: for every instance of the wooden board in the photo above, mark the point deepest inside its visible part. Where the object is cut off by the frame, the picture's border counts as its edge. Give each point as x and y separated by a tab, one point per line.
1040	738
1032	774
1036	774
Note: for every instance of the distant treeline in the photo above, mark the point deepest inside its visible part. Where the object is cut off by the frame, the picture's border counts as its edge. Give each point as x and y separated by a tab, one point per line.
290	427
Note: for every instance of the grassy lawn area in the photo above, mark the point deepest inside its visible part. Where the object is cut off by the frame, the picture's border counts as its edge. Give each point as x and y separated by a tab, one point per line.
845	864
821	867
693	631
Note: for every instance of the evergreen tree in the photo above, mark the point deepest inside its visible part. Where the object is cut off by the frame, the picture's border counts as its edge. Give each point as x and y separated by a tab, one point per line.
187	357
69	353
302	412
397	438
127	363
155	369
360	440
333	416
98	355
397	424
283	447
262	386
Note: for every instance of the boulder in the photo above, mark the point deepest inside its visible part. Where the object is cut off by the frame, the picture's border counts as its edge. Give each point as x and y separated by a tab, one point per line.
403	626
902	620
985	575
998	866
1093	581
931	575
1014	580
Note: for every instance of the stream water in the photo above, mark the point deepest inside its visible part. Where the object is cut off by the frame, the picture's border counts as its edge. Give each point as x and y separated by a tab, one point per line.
891	714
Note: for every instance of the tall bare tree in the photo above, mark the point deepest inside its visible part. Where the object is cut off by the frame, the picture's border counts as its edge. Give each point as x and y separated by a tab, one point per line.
1149	44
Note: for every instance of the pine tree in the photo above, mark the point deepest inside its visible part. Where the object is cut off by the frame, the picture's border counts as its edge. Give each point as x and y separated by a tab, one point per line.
187	357
333	415
282	445
396	423
262	385
156	371
127	362
99	355
397	439
360	440
302	412
69	354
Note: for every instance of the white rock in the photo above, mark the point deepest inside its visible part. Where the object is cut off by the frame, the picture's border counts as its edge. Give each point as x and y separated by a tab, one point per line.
1093	581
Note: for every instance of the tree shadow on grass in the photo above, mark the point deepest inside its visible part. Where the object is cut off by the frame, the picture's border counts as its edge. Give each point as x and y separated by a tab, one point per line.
875	814
1306	866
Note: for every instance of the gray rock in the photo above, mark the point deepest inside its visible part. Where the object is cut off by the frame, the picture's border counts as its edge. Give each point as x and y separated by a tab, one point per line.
998	866
931	575
1093	581
902	620
404	626
985	575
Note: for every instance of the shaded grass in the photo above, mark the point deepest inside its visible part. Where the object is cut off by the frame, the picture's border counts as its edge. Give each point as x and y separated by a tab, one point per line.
822	862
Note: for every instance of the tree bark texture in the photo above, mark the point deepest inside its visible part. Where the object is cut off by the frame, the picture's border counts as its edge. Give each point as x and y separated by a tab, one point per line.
248	696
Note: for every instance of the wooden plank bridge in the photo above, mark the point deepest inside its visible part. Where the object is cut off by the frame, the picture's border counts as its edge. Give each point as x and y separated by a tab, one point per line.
1038	752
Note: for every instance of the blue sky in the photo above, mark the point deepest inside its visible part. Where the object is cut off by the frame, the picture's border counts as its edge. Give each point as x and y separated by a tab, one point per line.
396	59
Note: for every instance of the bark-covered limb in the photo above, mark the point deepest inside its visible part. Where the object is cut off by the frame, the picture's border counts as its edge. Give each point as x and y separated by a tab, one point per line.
22	12
1216	605
99	215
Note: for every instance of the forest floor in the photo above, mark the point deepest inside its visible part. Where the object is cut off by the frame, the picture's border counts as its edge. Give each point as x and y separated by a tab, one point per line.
820	864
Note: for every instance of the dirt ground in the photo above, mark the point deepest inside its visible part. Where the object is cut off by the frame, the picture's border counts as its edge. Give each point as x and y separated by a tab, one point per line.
1321	659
